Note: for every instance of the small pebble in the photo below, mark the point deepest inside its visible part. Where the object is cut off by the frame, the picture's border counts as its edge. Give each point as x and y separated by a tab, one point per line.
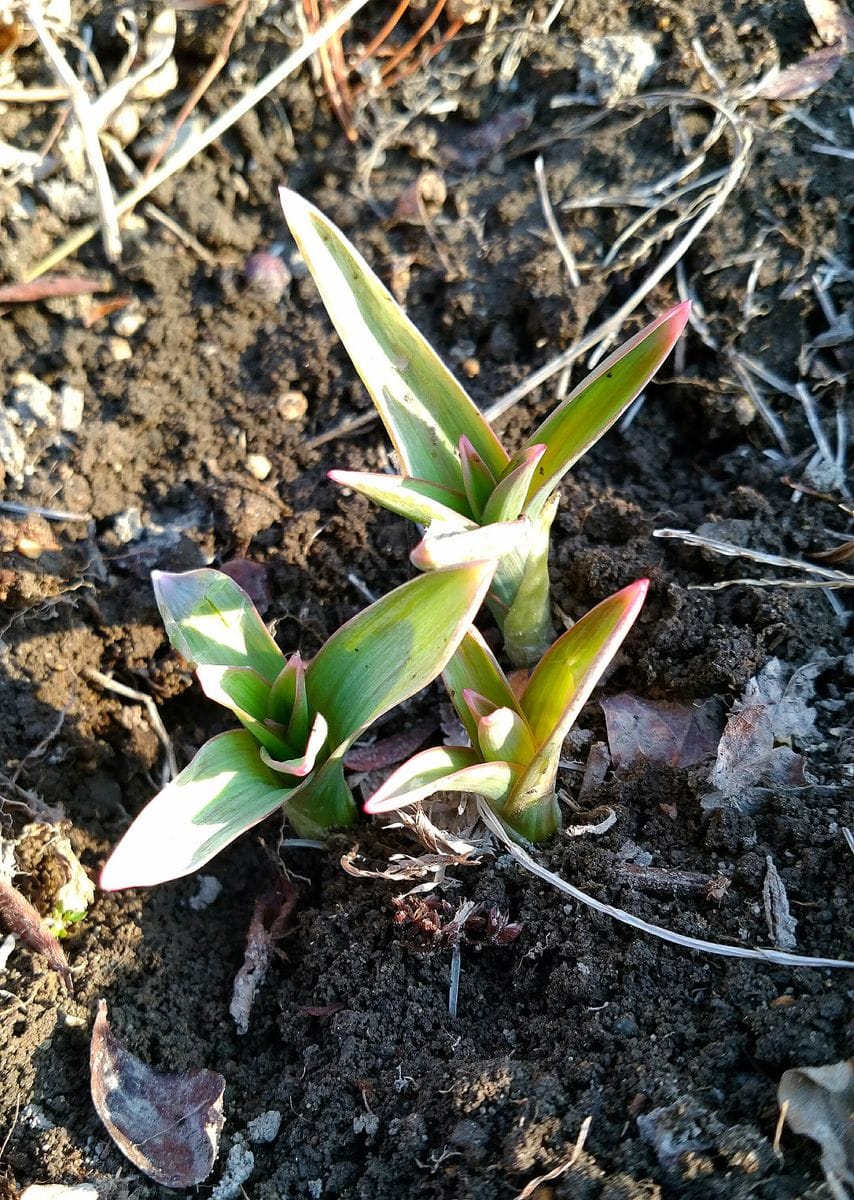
32	401
471	368
127	322
292	406
259	465
266	275
120	349
71	405
266	1127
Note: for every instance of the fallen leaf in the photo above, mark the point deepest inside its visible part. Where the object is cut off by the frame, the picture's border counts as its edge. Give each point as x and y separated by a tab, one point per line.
167	1124
778	916
20	917
818	1102
748	758
832	24
800	80
662	732
267	926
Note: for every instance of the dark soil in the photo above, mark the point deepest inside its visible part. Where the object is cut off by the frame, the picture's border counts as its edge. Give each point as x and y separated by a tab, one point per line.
383	1094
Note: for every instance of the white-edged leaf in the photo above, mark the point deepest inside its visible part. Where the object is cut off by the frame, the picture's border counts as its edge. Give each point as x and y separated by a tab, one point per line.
591	409
393	649
211	621
424	408
224	791
443	769
305	763
245	693
568	672
444	546
416	499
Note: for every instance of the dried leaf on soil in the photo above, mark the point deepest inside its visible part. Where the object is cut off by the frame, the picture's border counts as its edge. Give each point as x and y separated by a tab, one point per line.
818	1102
167	1124
662	732
781	923
267	926
18	916
771	711
832	24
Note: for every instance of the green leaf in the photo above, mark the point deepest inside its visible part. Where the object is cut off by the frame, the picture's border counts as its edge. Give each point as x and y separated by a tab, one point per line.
239	688
445	546
422	405
599	400
288	704
443	769
245	693
393	649
322	803
527	623
478	480
301	765
211	621
504	736
224	791
508	497
474	667
567	674
416	499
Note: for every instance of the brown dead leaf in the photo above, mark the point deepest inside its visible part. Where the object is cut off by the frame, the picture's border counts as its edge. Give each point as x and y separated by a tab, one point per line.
800	80
18	916
818	1102
268	924
662	732
167	1124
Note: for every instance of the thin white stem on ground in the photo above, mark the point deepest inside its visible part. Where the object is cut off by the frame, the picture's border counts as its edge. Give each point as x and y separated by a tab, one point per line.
825	576
551	221
777	957
129	693
193	145
737	168
83	111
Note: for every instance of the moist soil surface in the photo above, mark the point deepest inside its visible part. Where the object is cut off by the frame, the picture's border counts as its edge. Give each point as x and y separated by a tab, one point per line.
673	1055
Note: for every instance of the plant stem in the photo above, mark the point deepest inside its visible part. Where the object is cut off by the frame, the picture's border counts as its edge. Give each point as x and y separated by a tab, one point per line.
532	810
325	802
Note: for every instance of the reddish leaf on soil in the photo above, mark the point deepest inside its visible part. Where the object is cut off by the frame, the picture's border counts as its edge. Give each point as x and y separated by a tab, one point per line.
254	578
388	751
167	1124
271	915
662	732
805	77
50	286
18	916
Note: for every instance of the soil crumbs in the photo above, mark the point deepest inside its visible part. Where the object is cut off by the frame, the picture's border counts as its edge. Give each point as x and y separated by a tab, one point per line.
675	1057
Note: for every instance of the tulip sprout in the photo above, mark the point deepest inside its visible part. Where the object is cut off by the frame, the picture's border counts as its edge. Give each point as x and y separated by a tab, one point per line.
515	744
298	721
456	479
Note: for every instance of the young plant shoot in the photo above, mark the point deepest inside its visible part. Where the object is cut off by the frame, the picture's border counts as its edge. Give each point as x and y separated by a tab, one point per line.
516	743
298	720
457	480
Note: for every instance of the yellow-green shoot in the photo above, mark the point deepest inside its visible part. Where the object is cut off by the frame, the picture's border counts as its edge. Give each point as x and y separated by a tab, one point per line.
298	720
515	744
456	479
